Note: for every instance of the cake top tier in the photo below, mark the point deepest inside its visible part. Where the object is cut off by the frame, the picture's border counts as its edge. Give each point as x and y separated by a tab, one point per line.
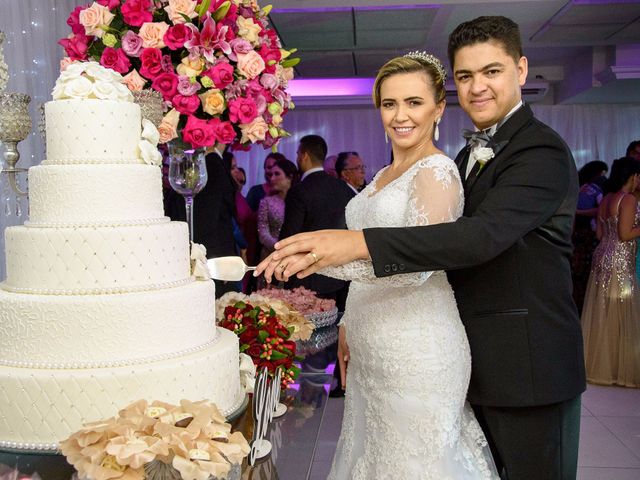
93	120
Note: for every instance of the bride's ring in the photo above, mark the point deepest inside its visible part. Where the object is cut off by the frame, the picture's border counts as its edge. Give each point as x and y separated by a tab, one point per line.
315	257
282	266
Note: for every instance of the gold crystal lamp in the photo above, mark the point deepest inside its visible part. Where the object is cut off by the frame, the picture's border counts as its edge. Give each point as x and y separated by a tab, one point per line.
15	126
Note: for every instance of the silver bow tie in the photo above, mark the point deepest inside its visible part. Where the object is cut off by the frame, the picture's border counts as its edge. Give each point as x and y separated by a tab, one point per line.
473	136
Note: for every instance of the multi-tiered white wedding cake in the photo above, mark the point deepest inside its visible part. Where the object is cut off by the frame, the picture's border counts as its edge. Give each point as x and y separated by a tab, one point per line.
100	307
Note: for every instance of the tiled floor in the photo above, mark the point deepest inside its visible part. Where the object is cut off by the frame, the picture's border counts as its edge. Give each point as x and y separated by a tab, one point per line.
609	435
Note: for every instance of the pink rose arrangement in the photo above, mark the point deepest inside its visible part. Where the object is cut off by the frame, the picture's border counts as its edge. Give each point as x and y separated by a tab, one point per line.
220	68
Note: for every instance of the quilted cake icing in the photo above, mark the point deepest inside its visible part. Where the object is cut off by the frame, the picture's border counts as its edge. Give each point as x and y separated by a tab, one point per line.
100	307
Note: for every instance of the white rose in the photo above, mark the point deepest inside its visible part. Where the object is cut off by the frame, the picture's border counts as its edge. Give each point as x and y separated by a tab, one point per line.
105	90
124	94
148	153
199	266
483	154
75	70
80	87
58	91
150	132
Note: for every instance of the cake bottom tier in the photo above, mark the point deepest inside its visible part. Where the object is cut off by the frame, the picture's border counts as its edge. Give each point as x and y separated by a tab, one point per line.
39	407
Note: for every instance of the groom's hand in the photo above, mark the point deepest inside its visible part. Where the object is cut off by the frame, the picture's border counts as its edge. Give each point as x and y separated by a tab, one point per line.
306	253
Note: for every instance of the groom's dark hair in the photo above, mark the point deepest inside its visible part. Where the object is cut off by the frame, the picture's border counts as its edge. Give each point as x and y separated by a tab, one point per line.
486	29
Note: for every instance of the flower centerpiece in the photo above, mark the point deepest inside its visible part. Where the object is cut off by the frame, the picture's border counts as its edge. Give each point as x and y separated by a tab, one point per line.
220	68
157	441
263	337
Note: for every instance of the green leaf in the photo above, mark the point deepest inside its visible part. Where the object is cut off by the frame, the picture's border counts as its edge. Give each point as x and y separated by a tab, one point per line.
277	355
244	347
221	11
291	62
262	335
187	19
266	10
202	9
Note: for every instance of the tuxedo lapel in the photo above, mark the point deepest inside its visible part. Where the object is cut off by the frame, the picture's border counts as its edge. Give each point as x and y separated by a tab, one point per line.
501	138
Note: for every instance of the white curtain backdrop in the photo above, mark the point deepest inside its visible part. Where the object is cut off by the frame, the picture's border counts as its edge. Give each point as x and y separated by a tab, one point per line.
33	28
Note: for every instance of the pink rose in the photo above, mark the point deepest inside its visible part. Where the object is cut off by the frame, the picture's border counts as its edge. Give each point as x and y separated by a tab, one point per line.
64	63
254	131
220	74
176	36
152	34
134	81
198	132
225	133
168	126
269	81
185	104
151	59
136	12
74	21
76	46
185	87
239	46
250	64
95	18
242	110
270	55
166	64
178	7
167	84
109	3
131	44
115	59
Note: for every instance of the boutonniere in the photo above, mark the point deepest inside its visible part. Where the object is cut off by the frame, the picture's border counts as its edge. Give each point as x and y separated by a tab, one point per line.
482	155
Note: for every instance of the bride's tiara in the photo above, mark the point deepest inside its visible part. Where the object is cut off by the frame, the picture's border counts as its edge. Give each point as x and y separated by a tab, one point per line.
431	60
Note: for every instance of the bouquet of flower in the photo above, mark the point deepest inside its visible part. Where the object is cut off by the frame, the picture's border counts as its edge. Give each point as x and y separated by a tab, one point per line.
157	440
219	67
264	338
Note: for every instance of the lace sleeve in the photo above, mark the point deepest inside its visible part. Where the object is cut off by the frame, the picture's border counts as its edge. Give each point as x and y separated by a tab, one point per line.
436	196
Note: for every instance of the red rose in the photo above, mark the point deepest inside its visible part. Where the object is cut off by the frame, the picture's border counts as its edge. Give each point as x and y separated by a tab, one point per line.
185	104
151	59
166	84
220	74
76	46
268	55
254	351
176	36
198	133
242	110
136	12
115	59
109	3
74	21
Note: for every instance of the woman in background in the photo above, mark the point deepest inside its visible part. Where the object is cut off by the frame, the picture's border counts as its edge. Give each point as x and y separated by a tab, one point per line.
611	313
283	174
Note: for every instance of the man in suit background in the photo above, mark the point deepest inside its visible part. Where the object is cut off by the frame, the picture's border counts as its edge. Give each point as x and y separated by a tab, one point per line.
351	169
316	202
213	211
508	260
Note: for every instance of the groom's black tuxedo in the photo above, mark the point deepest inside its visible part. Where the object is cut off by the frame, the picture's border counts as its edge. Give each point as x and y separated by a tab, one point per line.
507	259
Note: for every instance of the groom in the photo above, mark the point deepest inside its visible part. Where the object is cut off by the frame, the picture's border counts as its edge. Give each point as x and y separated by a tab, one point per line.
507	259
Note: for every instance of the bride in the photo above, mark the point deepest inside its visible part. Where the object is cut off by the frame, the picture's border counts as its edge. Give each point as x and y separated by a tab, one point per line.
408	357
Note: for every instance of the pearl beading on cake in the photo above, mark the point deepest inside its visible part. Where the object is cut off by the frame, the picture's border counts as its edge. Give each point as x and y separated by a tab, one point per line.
93	161
98	291
121	363
116	223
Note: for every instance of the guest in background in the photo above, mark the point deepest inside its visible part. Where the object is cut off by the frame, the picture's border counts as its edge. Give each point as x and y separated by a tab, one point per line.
329	165
351	169
258	192
271	211
611	313
241	178
633	150
213	211
591	177
317	202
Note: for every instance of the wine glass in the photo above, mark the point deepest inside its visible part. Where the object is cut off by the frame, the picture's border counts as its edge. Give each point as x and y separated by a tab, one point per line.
187	175
228	269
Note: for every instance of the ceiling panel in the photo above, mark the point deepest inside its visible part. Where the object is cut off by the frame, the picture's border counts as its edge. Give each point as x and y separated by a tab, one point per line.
597	13
629	33
387	39
325	30
568	34
326	64
394	18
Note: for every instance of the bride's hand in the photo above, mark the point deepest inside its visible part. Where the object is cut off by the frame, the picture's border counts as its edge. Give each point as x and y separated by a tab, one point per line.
306	253
343	354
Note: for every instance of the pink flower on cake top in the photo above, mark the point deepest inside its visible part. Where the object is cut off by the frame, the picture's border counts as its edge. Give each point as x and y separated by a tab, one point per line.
220	68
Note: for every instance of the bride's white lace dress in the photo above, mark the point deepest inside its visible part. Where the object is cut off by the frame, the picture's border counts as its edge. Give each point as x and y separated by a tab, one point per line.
405	413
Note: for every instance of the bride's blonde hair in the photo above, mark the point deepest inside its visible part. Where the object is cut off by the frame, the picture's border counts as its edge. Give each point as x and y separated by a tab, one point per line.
412	62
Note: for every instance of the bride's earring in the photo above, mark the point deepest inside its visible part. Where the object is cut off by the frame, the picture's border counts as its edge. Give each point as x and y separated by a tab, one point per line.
436	131
386	137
